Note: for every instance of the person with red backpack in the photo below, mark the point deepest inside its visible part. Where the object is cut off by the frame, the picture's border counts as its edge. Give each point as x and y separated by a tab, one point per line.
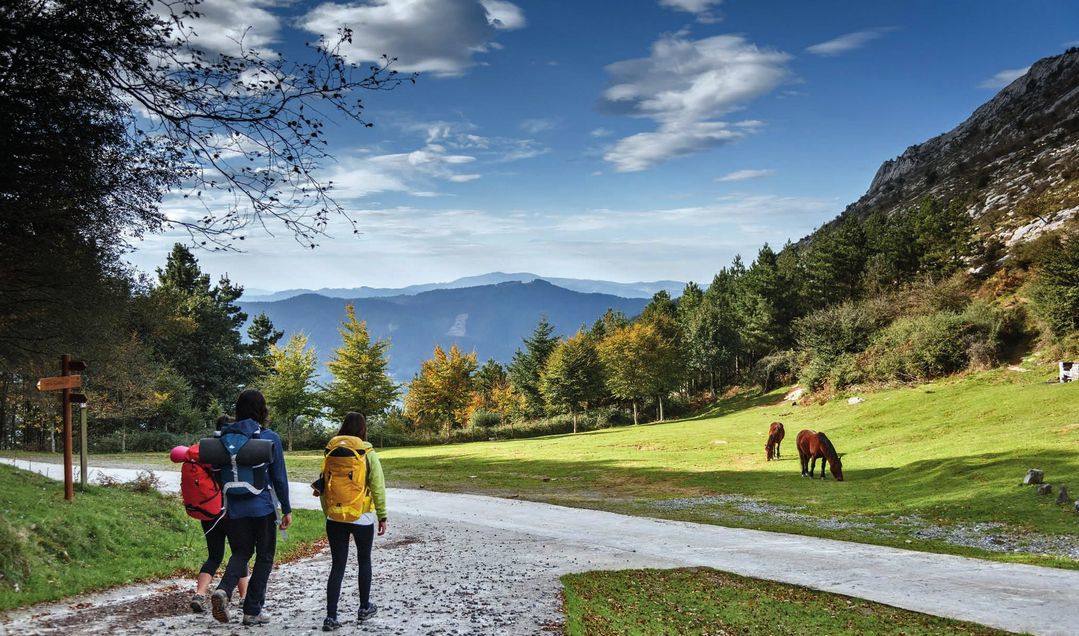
202	499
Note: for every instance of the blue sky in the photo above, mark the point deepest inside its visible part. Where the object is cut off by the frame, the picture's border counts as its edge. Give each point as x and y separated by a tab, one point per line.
629	140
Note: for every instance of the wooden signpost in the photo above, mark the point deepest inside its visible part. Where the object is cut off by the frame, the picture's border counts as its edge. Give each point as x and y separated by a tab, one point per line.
65	382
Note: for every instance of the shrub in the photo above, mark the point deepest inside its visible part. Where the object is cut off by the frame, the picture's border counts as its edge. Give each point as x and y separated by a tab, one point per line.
832	334
927	347
1056	288
144	481
139	441
484	419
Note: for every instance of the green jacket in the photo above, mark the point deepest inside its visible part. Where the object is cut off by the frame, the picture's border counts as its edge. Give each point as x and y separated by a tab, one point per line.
376	483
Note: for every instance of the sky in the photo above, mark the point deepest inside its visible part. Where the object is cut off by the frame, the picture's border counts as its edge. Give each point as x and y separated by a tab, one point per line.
629	140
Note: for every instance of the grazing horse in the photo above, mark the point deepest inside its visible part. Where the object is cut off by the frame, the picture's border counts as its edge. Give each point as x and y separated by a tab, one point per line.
775	437
812	446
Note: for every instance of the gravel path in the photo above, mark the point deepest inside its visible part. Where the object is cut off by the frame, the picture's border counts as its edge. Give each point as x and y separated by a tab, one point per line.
472	564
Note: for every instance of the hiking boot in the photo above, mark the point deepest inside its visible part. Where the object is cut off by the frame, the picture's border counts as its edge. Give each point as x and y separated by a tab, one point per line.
198	603
330	624
219	606
258	619
366	612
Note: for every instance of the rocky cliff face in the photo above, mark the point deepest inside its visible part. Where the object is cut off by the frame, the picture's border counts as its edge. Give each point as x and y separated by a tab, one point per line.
1014	161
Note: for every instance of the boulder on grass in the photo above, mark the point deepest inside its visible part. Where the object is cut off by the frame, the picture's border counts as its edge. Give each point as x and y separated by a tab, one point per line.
1063	498
1034	476
1045	489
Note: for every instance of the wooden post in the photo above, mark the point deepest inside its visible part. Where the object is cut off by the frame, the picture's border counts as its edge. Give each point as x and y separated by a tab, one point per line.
65	403
83	452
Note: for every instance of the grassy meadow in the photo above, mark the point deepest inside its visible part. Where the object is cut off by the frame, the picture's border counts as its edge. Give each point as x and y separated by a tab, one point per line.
945	455
706	601
108	536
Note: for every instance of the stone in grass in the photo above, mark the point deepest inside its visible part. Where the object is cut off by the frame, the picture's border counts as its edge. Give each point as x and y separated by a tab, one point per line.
1045	489
1034	476
1063	498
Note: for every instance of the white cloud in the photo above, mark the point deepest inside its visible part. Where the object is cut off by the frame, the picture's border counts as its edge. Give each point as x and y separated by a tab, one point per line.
436	36
408	244
701	8
745	175
684	86
1003	78
847	42
223	24
537	125
601	132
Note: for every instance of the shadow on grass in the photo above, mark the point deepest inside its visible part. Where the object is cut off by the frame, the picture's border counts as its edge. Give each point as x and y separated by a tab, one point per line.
975	488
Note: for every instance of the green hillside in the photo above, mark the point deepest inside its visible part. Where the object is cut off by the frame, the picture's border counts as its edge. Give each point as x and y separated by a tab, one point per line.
926	467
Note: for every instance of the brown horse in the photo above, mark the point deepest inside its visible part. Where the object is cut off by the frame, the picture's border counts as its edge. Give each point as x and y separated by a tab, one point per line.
813	446
775	437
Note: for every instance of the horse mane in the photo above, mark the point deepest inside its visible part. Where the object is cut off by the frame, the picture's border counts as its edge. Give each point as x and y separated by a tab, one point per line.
829	449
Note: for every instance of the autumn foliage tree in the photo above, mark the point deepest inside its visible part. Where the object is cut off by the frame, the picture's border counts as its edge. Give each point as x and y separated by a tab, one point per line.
638	362
439	395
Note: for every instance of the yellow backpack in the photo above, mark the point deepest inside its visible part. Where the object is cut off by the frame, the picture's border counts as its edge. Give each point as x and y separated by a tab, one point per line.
345	495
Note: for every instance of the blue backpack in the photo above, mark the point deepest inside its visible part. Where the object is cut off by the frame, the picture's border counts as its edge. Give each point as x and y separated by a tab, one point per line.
242	459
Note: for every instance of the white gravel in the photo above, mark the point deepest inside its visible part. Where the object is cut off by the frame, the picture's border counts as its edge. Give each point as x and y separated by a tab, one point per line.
487	565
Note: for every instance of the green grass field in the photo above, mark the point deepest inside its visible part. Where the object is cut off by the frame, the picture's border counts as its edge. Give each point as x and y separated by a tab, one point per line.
704	601
109	536
942	456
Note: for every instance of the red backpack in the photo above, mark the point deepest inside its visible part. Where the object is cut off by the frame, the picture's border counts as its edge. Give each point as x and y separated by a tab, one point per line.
200	491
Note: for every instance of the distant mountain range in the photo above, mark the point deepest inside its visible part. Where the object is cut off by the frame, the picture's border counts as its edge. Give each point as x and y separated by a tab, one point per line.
625	290
488	319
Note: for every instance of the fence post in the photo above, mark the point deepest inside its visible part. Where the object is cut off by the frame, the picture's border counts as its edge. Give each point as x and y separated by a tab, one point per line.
83	451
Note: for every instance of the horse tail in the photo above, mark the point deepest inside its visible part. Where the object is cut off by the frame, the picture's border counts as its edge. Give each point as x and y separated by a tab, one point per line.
828	448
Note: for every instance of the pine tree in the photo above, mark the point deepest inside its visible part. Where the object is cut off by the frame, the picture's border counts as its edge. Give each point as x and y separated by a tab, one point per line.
573	376
361	381
526	369
290	382
263	338
197	329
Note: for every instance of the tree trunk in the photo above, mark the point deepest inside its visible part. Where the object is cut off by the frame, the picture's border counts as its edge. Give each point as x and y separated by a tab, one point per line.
635	412
123	438
574	421
291	423
661	408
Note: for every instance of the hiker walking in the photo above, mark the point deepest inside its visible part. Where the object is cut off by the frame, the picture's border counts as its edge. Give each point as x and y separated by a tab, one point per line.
353	493
252	465
201	494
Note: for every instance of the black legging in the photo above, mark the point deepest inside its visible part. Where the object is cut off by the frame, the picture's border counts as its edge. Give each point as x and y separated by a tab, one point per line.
338	534
215	533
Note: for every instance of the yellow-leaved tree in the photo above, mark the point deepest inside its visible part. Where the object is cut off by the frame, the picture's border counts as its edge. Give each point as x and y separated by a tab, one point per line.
440	394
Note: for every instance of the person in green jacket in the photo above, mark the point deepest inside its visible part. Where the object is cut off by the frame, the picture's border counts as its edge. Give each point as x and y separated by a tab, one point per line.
362	530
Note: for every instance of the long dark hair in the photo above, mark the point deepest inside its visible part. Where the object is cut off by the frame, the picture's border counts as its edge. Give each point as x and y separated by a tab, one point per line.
251	405
222	422
354	424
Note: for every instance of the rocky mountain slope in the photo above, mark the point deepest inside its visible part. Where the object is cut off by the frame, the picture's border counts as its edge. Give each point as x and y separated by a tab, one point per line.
1014	161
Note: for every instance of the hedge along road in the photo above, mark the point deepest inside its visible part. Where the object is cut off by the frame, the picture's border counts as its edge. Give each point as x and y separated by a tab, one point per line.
1014	597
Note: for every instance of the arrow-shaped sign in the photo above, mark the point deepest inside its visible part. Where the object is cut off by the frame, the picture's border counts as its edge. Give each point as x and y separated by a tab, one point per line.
59	382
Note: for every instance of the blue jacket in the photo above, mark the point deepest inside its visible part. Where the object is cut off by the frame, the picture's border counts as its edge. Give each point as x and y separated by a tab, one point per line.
262	504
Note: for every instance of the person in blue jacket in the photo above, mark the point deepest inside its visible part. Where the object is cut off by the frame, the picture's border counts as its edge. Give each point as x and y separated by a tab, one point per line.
252	520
